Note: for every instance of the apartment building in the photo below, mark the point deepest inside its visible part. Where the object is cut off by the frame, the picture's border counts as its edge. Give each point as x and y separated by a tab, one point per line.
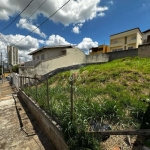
146	36
100	49
126	40
12	55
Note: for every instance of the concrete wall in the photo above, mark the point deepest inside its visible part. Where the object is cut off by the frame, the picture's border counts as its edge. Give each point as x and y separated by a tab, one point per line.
144	50
122	54
73	56
53	131
97	58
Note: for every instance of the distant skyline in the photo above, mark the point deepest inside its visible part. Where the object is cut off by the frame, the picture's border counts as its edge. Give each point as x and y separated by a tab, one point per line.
85	23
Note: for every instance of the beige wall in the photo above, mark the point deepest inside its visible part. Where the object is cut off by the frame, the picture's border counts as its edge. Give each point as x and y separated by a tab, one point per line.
48	53
139	40
97	58
73	56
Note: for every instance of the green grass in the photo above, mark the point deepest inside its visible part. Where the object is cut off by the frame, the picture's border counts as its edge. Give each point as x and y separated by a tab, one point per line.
110	93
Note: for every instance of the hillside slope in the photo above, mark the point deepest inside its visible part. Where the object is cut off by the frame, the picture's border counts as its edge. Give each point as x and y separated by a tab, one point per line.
111	93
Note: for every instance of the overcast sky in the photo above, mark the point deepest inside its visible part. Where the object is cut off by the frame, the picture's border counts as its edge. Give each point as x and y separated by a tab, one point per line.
86	23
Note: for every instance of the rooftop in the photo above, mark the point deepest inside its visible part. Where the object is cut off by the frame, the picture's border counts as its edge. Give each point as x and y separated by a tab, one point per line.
50	47
147	31
127	31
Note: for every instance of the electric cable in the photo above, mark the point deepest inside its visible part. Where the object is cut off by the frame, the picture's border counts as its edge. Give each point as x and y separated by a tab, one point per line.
16	17
2	38
32	14
43	22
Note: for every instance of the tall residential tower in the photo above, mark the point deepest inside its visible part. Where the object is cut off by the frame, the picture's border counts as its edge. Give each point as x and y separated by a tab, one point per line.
12	55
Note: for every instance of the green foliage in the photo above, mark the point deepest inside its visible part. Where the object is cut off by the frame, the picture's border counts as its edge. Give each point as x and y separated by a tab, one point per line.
15	68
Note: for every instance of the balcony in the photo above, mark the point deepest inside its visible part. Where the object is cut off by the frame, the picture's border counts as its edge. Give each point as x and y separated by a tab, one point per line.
116	44
133	41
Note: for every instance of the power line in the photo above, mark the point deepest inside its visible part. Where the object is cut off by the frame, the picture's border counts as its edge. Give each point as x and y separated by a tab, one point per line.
32	14
16	17
2	38
43	22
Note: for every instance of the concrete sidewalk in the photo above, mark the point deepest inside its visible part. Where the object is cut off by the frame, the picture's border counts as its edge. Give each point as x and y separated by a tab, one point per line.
18	128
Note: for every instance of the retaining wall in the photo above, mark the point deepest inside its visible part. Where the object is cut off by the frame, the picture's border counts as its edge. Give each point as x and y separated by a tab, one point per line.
144	50
122	54
53	131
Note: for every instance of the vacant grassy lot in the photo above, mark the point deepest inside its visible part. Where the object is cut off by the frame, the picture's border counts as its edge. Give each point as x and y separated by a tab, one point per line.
111	93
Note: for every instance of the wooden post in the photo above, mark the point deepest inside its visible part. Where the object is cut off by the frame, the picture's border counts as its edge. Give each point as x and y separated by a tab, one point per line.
47	91
25	81
36	88
21	81
71	98
123	132
29	86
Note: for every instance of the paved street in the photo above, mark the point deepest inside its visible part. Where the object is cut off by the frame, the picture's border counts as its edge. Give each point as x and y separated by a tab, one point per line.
18	128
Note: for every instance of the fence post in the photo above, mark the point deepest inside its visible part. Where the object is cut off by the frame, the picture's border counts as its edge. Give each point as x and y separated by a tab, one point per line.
21	81
36	89
47	91
29	85
71	98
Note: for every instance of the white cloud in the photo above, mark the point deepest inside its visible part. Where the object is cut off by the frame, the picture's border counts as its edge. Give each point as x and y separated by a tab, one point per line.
101	14
111	2
28	25
80	25
25	46
76	30
86	44
30	44
56	40
76	11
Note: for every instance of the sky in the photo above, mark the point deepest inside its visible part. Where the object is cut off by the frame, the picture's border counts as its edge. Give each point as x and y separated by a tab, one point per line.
84	23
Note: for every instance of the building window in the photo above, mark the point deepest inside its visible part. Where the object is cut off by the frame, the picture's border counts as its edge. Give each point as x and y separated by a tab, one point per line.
133	37
37	57
42	57
100	49
115	41
63	52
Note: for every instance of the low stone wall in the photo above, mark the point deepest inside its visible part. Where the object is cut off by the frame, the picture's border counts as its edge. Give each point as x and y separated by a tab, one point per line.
122	54
144	50
97	58
53	131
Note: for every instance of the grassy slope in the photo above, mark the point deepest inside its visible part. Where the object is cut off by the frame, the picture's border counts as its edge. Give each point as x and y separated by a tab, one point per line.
124	83
110	93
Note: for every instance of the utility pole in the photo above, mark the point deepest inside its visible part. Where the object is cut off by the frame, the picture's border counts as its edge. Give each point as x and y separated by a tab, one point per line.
2	66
